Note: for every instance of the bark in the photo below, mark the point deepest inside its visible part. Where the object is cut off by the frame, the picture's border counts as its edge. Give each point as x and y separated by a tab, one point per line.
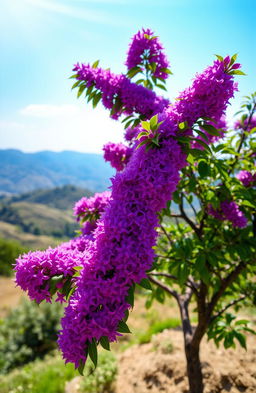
194	370
192	342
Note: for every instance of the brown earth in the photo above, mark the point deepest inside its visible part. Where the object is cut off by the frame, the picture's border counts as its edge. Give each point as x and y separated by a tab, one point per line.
10	295
160	367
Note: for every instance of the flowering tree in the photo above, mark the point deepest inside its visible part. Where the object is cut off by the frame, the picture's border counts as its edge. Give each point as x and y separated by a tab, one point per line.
180	218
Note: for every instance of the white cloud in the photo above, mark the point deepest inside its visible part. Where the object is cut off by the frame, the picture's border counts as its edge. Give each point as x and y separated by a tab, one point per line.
48	111
60	127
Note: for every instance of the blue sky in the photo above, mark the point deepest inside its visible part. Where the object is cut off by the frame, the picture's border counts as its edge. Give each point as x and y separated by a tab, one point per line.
41	40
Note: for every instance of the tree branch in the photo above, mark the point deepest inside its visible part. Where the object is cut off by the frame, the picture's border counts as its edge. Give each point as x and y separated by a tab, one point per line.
224	285
165	287
226	307
187	219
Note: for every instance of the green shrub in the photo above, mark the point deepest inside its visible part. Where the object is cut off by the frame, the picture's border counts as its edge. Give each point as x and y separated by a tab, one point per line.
47	376
101	380
9	251
158	327
28	332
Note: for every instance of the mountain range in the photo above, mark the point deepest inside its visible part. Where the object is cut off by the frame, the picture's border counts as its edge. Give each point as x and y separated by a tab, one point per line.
24	172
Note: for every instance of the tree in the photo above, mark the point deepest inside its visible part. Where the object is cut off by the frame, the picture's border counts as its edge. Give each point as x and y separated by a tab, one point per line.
173	175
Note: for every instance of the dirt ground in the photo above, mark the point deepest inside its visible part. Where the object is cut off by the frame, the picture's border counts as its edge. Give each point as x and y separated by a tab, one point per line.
10	295
160	367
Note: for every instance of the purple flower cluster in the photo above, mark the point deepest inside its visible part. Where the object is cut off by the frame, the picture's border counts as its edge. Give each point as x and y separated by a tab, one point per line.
146	46
244	125
246	177
119	92
131	133
229	211
117	154
122	251
92	208
35	269
208	96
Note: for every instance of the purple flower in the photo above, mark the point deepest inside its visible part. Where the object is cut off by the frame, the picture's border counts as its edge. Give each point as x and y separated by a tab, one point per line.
246	177
122	251
91	208
229	211
117	154
118	91
244	125
146	47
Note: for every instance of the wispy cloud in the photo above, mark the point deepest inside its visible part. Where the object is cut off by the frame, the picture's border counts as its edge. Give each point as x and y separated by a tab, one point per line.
78	12
49	111
60	127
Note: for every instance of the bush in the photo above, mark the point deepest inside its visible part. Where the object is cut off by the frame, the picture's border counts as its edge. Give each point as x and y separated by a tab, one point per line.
48	376
9	251
27	333
101	380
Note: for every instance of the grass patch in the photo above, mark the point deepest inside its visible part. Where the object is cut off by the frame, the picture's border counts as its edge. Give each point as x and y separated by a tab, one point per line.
158	327
49	375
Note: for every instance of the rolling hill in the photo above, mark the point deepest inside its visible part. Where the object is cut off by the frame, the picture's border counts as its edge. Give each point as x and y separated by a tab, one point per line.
24	172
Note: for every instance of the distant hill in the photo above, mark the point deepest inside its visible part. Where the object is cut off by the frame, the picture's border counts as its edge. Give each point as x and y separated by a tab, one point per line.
59	197
40	213
23	172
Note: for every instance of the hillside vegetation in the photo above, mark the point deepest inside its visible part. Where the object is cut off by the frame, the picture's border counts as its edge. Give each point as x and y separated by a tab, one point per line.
24	172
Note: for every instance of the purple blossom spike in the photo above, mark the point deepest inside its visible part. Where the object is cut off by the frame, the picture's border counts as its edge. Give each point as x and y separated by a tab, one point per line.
145	45
117	154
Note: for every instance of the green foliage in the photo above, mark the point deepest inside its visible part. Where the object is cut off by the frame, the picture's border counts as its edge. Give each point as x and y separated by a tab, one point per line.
100	380
227	329
209	258
158	327
27	333
49	375
9	251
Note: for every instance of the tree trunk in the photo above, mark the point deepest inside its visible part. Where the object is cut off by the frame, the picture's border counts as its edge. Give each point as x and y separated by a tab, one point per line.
195	377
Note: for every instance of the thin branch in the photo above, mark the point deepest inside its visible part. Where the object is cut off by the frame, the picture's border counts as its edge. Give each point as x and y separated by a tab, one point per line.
228	306
187	219
165	287
224	285
167	275
166	234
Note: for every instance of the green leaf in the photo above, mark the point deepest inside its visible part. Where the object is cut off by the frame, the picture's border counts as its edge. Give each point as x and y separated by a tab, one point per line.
95	64
161	86
92	351
183	125
141	134
104	341
203	169
219	57
241	339
236	72
145	125
146	141
75	84
210	129
81	90
166	71
123	328
145	283
96	99
153	122
130	297
81	367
